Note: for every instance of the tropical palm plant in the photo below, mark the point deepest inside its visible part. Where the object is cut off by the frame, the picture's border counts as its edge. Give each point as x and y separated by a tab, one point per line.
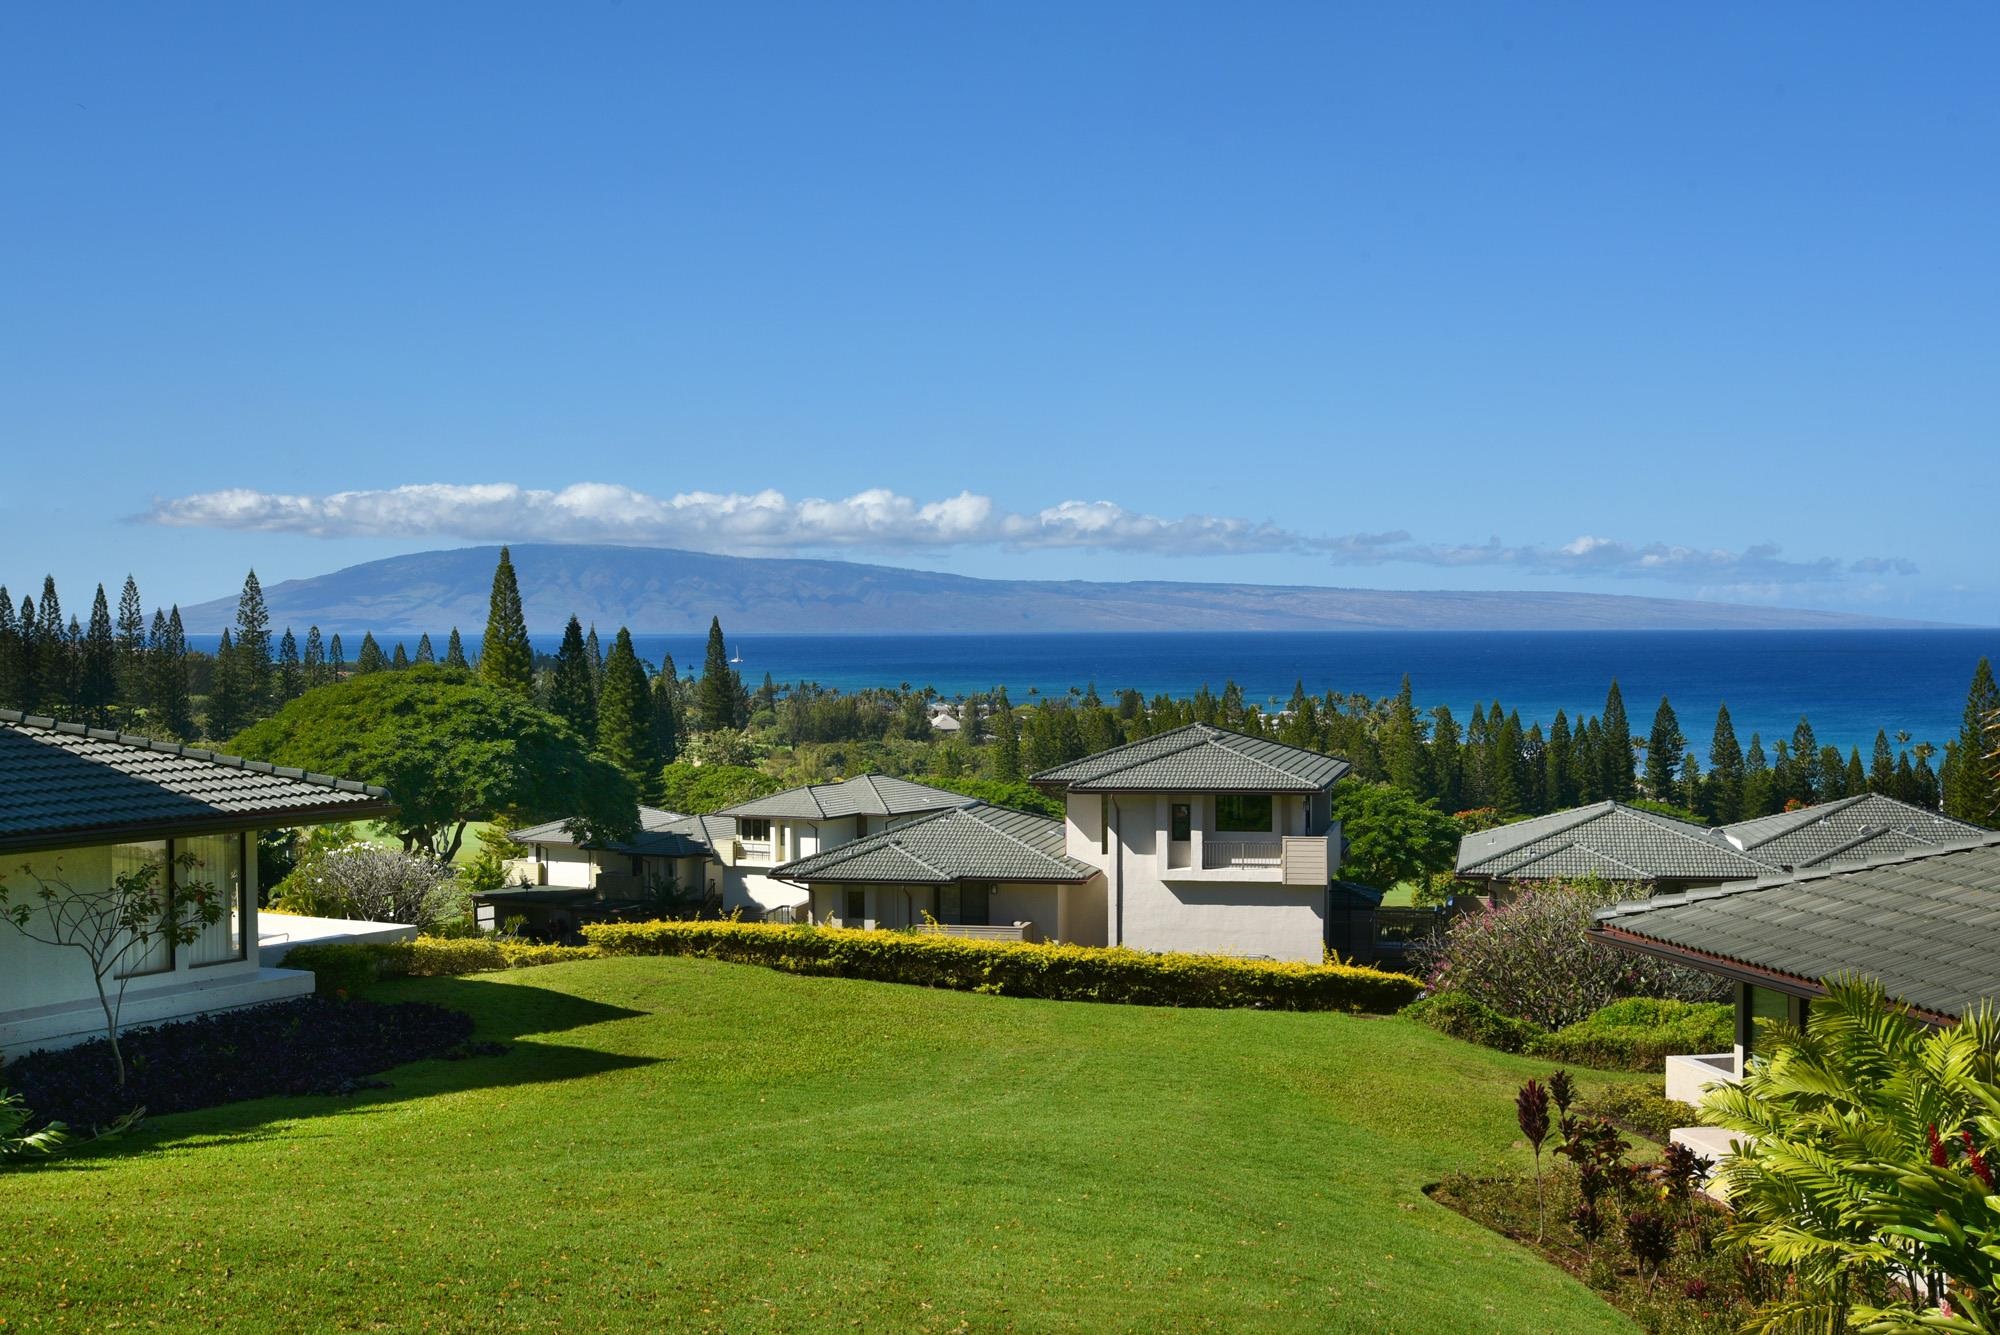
1864	1169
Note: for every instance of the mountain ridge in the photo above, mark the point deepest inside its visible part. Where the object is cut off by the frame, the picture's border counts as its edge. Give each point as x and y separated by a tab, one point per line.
656	590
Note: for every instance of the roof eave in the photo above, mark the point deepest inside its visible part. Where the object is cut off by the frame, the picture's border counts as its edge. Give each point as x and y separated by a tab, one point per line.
221	822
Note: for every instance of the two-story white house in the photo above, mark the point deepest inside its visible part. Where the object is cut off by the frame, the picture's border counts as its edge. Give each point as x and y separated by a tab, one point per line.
1209	841
799	822
81	806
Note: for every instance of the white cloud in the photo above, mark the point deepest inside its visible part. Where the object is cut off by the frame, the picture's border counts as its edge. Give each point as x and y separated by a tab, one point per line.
770	522
763	521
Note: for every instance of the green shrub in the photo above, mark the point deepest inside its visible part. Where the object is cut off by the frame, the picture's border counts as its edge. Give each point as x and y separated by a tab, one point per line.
1639	1033
1473	1020
1641	1107
347	965
1053	972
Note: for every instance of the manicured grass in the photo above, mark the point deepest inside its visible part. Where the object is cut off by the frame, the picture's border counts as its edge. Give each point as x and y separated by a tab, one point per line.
682	1144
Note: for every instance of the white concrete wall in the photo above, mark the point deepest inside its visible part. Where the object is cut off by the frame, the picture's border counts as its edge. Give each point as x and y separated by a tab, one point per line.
41	983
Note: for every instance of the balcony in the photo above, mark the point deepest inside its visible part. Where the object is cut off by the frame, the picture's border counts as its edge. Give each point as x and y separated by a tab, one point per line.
1305	860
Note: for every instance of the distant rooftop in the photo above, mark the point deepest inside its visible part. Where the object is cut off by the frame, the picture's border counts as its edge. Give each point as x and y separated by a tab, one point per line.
977	842
1197	758
863	795
661	834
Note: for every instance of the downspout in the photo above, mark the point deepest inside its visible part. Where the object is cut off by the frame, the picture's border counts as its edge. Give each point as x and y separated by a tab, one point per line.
1117	869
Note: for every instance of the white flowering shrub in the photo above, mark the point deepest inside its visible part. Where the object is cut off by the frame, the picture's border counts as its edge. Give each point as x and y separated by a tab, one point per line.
360	880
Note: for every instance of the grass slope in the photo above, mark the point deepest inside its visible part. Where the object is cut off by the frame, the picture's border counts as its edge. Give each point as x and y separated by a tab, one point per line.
680	1144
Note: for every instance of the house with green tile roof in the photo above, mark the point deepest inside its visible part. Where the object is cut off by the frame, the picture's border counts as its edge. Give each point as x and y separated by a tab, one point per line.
976	870
1207	841
1924	922
80	806
786	826
561	881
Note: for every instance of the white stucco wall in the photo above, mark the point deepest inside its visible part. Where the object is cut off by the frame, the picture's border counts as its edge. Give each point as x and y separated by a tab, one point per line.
896	906
38	981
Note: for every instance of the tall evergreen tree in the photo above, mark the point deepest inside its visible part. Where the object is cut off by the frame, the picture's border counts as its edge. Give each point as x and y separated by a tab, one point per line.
1725	772
425	654
666	711
370	658
595	656
572	683
625	717
171	696
317	673
715	697
1006	738
1403	742
454	651
1973	791
1559	765
97	676
1807	778
226	715
1857	777
131	648
10	652
505	657
290	681
1760	788
336	658
1620	769
54	674
400	657
253	649
1882	766
1447	765
1666	753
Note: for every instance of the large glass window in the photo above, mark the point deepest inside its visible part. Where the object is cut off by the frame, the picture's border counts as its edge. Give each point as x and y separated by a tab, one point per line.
218	864
85	876
1765	1005
1243	813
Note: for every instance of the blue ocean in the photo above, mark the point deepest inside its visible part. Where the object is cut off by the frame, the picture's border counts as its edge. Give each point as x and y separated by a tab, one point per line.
1848	682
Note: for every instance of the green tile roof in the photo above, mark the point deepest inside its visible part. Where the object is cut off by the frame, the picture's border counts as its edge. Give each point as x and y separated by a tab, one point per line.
1847	830
1198	758
863	795
1607	839
63	783
978	842
1926	924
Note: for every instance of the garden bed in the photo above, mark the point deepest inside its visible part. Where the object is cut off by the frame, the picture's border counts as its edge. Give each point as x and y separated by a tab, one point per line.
1701	1286
310	1045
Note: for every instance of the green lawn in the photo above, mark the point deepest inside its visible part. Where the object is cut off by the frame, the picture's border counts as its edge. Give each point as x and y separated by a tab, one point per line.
679	1144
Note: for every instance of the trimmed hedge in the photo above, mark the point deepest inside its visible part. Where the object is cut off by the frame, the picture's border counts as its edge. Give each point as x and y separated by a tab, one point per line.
1473	1020
346	965
1051	972
1640	1033
1641	1107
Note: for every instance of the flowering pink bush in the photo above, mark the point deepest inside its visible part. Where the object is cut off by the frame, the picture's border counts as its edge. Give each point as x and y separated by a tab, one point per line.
1531	958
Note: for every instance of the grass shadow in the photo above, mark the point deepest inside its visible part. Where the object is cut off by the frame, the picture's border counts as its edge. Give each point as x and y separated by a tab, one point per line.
502	1014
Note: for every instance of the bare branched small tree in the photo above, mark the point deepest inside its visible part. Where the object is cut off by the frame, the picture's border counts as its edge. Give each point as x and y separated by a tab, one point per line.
115	926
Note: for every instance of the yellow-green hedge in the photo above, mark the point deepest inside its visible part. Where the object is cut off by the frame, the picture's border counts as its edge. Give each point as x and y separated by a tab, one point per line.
348	964
1054	972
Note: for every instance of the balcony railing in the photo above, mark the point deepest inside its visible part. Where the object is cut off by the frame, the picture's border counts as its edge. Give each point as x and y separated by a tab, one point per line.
1218	853
754	850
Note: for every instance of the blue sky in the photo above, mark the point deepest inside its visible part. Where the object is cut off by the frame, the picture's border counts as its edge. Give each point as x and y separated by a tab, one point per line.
1636	299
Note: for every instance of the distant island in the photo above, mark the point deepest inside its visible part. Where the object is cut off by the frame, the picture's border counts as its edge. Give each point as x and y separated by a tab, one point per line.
664	591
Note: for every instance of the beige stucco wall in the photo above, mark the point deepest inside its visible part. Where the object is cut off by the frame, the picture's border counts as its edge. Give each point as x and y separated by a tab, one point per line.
1156	897
897	906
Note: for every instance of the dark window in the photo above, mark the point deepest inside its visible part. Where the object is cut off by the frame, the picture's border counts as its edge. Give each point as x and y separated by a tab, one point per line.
1243	813
857	906
1182	825
973	905
756	831
860	827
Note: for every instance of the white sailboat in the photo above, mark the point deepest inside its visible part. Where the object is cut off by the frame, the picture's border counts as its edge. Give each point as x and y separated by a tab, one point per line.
737	659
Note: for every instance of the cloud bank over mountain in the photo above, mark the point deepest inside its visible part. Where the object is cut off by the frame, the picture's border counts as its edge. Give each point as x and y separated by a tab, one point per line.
879	519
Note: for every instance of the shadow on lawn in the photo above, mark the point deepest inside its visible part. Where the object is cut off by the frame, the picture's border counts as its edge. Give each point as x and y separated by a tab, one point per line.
501	1014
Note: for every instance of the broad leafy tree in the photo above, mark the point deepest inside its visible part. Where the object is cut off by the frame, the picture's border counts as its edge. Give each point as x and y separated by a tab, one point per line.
452	749
1392	835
